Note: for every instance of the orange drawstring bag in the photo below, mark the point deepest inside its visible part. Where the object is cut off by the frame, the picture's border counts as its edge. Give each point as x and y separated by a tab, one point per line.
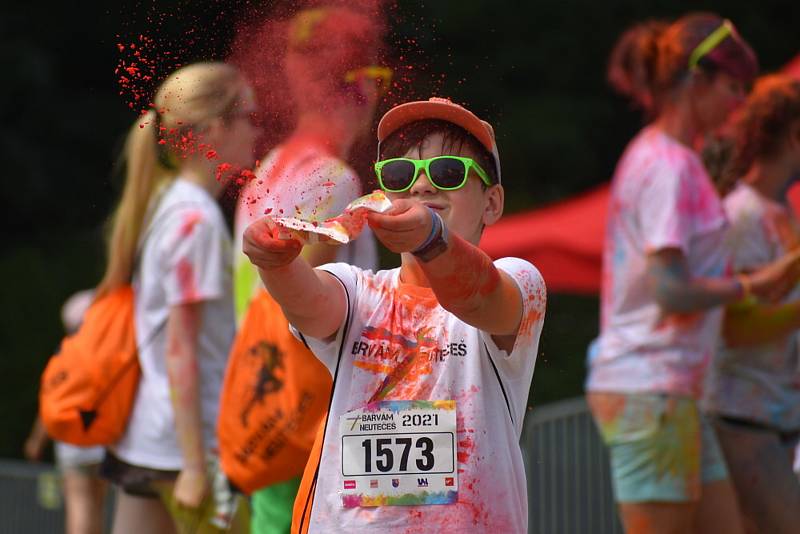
273	398
88	388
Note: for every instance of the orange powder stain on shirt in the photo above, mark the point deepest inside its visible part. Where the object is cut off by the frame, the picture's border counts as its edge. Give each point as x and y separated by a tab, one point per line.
533	307
377	368
530	317
401	341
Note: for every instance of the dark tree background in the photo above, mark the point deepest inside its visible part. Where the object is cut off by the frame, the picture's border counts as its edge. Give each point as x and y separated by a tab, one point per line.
535	69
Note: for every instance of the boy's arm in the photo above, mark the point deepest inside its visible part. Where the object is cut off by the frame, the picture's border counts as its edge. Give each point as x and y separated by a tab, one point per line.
463	277
312	300
468	285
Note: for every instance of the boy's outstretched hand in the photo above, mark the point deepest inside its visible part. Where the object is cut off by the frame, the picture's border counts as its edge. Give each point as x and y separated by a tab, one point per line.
265	248
404	227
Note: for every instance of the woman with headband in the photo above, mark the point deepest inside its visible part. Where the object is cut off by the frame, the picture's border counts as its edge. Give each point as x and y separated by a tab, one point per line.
753	390
666	277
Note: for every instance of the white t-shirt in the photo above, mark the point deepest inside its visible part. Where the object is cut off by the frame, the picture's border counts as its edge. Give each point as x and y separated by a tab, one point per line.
186	258
762	382
309	184
391	322
661	197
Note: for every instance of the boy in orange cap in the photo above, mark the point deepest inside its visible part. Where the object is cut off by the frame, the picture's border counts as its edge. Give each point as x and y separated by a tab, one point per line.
431	362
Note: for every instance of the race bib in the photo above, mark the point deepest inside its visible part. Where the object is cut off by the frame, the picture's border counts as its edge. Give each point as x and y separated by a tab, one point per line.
399	453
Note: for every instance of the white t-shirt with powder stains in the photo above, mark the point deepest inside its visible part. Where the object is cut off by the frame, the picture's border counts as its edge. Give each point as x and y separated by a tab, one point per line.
661	198
308	184
186	258
444	359
760	383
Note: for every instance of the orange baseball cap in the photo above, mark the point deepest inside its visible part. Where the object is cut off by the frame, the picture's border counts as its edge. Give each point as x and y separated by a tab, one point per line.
442	109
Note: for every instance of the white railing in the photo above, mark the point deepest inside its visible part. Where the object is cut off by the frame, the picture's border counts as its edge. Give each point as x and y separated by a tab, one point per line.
566	463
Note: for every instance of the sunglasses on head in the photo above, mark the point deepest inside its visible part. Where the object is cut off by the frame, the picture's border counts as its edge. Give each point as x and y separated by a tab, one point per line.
447	173
381	76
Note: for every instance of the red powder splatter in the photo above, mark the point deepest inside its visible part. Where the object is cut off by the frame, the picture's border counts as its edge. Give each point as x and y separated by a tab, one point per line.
188	223
211	154
223	168
465	448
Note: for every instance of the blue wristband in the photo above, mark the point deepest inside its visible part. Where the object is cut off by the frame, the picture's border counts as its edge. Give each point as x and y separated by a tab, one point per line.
436	229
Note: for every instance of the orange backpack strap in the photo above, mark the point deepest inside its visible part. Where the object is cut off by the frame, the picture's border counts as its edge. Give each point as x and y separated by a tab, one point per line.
301	514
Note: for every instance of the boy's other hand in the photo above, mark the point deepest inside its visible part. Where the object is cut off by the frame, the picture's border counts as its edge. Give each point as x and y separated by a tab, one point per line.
265	248
404	227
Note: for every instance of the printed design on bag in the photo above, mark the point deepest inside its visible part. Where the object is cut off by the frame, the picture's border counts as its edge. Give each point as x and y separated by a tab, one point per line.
56	380
270	379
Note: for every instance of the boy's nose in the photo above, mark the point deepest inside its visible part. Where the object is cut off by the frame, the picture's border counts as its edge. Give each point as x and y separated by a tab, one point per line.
422	186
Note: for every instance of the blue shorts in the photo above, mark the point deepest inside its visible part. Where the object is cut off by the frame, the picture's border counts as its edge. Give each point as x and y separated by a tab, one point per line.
662	448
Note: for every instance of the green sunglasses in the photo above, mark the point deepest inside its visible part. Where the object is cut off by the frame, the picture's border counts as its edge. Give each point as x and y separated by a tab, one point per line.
447	173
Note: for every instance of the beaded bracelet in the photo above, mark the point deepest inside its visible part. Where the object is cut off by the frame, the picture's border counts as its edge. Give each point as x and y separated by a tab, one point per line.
436	229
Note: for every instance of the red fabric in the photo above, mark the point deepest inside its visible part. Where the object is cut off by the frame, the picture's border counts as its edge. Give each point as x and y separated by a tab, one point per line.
564	241
793	195
793	67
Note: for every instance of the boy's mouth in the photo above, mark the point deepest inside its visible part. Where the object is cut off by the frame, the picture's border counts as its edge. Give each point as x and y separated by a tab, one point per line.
437	207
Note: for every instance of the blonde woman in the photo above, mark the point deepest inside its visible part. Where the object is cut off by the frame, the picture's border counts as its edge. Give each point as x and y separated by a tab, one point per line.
170	240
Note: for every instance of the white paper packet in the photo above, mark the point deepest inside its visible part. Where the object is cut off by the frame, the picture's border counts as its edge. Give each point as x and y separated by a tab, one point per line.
342	229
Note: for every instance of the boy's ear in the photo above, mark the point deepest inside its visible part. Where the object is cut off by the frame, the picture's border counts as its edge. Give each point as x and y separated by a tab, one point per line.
493	207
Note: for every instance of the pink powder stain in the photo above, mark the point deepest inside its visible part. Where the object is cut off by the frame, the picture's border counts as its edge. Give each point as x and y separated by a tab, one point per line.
470	514
351	501
186	280
188	224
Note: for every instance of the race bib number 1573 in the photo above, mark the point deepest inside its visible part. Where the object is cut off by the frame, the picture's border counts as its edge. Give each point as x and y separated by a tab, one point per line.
399	453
